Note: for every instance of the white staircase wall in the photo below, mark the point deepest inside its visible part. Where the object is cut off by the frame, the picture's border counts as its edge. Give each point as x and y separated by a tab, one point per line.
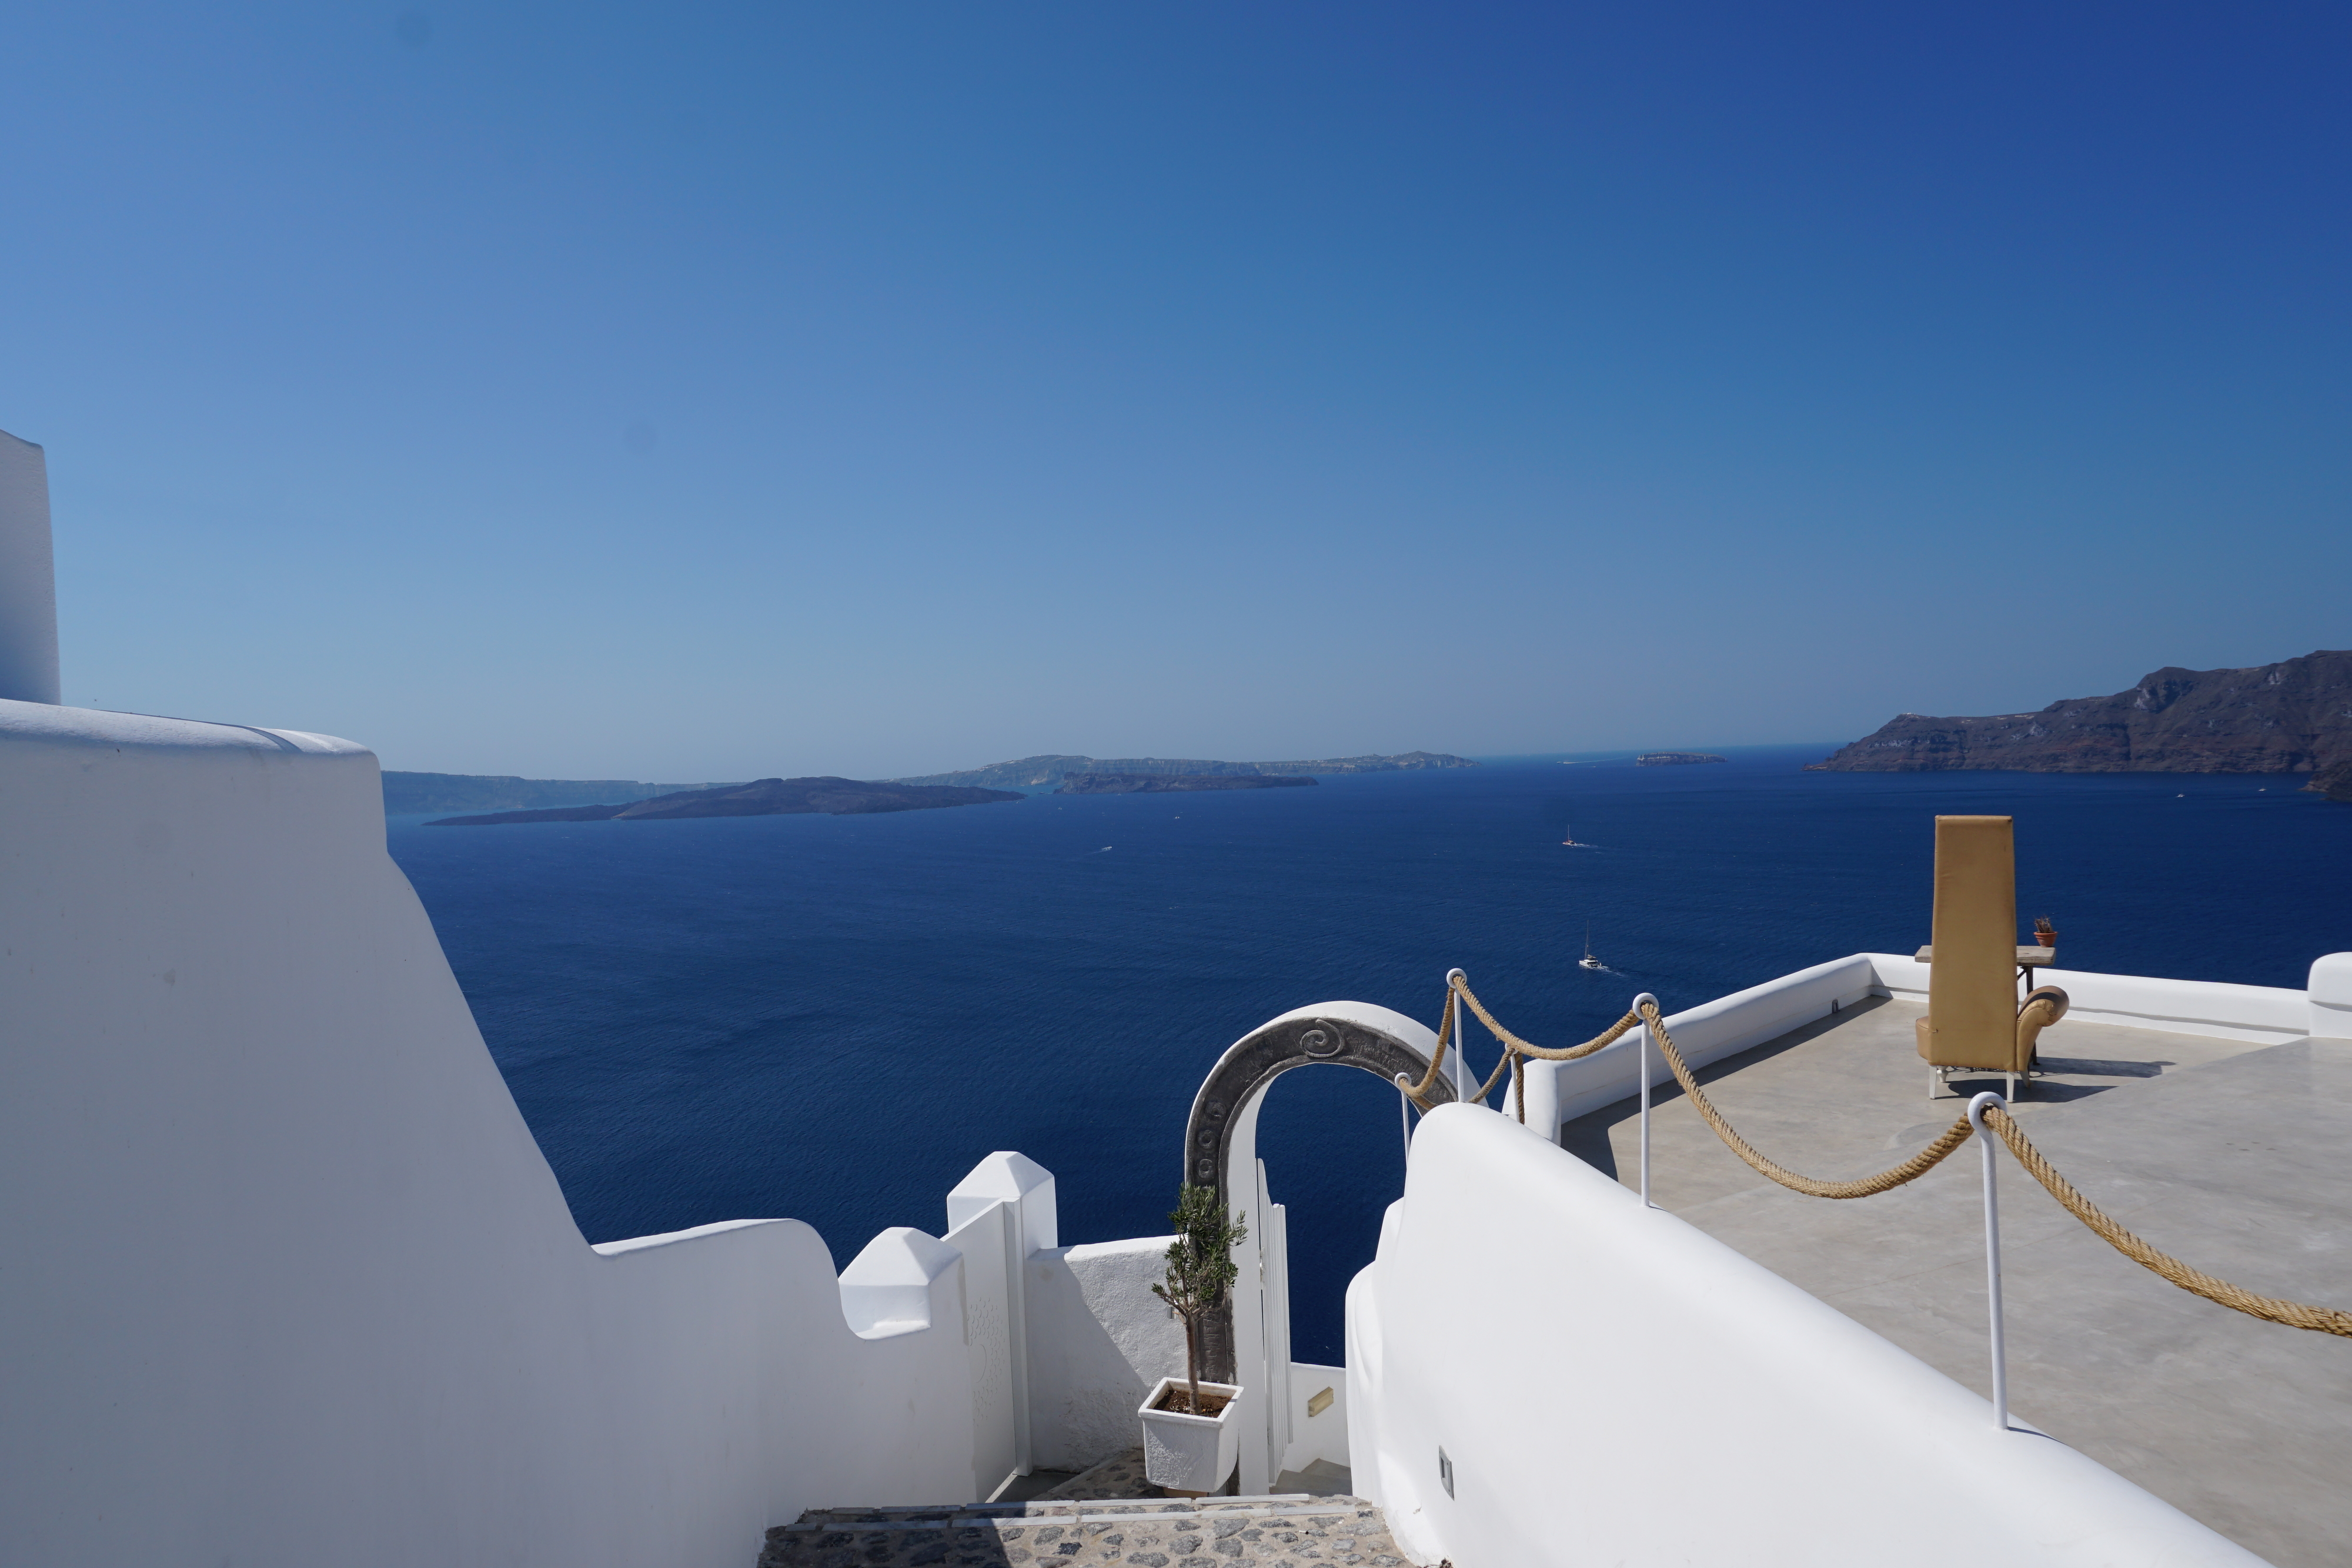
284	1276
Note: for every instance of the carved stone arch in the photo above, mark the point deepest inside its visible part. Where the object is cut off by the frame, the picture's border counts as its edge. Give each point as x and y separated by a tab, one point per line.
1340	1034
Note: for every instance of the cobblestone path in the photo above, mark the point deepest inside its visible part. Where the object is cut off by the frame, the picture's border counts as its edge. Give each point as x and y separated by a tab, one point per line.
1287	1531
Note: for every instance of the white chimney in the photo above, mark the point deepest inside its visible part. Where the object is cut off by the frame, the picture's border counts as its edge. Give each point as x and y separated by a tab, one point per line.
28	576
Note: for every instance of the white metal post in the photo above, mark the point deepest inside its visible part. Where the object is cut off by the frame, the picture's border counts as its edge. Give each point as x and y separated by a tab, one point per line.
1977	1108
1404	1112
1642	1053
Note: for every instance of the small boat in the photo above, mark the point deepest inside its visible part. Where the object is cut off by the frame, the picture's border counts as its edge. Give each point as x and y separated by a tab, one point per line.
1570	842
1588	961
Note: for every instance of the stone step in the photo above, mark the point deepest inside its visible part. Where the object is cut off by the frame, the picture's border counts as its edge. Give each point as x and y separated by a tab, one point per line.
1200	1533
1057	1508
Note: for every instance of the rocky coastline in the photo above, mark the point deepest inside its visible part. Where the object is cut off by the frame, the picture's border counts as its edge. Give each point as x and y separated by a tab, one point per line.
2334	781
2293	717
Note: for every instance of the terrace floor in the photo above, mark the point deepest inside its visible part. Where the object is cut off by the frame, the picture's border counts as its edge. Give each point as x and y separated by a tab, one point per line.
2230	1157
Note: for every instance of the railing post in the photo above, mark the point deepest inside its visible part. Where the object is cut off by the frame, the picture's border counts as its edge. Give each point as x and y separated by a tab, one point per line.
1404	1112
1641	1053
1460	1038
1977	1108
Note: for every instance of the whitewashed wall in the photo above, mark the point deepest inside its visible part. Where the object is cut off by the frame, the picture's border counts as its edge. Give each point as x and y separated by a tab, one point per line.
286	1279
1000	1214
1316	1434
1099	1339
1659	1399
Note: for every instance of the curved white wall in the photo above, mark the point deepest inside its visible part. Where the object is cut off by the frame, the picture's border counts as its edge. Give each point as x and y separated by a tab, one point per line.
283	1276
1644	1395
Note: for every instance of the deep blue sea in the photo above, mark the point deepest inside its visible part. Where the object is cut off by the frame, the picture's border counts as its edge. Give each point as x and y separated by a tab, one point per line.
832	1018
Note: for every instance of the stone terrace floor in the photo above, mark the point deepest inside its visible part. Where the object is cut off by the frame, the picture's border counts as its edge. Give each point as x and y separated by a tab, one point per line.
2230	1157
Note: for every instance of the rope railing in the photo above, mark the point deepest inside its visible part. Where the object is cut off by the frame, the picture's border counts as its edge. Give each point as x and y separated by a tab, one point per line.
2293	1314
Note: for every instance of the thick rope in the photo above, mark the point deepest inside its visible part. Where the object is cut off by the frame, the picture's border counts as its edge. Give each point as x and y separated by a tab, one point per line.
1609	1036
1888	1180
2294	1315
1418	1093
1516	1049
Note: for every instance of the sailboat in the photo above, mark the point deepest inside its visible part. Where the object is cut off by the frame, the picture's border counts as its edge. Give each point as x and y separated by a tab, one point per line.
1569	840
1588	961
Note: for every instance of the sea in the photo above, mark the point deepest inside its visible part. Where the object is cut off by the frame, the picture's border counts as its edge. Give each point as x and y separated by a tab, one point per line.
832	1019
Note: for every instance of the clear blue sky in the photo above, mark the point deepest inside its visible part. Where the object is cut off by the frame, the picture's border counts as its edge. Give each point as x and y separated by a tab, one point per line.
686	392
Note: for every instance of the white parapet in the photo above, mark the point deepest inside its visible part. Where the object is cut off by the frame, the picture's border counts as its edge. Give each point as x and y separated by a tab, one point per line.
287	1279
903	1282
1010	1176
29	581
1660	1400
1559	1092
2261	1015
2330	997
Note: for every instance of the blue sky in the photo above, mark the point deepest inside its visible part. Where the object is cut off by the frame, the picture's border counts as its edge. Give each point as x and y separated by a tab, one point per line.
712	392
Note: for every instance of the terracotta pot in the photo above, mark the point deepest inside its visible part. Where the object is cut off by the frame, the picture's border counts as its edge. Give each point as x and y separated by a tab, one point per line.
2045	939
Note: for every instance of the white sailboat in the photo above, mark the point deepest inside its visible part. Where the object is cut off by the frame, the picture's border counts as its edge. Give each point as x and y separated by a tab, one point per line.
1588	961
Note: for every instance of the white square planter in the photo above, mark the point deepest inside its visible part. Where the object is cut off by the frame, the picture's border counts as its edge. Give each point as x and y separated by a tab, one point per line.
1189	1453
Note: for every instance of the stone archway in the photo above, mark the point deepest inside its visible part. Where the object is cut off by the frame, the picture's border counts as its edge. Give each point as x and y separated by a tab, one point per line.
1341	1034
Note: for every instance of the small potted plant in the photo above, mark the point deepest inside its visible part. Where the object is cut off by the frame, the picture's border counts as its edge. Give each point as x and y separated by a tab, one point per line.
2045	934
1189	1436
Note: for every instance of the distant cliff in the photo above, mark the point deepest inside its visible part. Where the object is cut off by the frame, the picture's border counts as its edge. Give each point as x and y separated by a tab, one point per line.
2334	781
2294	716
408	793
1040	772
1165	783
764	798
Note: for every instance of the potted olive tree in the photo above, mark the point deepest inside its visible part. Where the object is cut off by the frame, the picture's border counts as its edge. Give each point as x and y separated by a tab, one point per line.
1189	1436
